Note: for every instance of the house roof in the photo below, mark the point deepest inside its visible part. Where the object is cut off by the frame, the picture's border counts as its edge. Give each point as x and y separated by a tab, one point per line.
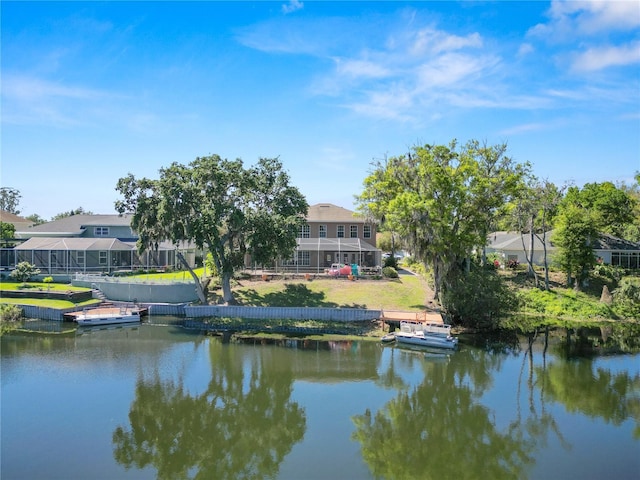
328	212
510	241
74	225
609	242
335	244
18	222
52	243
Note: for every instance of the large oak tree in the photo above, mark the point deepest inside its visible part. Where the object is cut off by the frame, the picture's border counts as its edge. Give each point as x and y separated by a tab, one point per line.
222	207
443	199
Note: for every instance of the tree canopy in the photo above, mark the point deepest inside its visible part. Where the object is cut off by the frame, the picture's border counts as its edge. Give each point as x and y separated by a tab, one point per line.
9	200
221	206
443	199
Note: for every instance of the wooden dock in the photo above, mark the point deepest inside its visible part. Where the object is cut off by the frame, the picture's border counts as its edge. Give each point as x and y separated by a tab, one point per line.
395	317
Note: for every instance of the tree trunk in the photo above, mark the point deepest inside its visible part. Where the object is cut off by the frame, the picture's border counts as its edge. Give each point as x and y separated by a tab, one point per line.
227	294
199	290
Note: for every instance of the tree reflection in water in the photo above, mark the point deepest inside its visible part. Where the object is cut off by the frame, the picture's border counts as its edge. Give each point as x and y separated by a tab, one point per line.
440	430
240	427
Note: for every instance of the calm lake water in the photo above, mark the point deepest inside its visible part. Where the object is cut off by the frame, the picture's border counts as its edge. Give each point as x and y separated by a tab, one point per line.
160	402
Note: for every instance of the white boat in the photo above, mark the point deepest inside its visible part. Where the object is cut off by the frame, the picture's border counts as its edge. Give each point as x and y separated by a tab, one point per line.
436	335
108	316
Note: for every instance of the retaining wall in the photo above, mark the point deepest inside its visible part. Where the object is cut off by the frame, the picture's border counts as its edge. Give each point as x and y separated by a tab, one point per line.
142	292
290	313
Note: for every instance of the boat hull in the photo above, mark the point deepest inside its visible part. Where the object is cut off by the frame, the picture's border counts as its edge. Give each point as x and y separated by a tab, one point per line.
434	341
107	319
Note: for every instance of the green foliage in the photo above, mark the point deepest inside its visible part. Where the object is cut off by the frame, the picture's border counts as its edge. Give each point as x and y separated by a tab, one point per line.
221	206
7	230
24	271
441	200
390	261
390	272
575	230
47	280
10	315
479	299
9	200
611	207
608	272
564	303
627	297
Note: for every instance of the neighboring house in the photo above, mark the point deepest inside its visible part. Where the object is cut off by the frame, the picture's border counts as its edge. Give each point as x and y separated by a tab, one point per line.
607	248
7	257
509	245
18	222
615	251
331	235
87	244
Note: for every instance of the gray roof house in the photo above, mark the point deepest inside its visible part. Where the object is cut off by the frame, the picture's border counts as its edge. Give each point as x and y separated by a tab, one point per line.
608	249
101	244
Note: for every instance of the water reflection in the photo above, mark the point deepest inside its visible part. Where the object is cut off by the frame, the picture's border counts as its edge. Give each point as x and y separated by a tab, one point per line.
241	426
439	428
165	403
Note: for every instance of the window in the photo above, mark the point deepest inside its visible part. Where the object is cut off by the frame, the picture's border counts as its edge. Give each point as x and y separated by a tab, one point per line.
322	231
353	231
101	231
305	231
301	258
102	258
625	260
340	231
367	231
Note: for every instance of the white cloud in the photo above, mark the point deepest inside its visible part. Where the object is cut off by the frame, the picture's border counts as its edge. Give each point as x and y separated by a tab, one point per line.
430	40
292	6
598	58
361	68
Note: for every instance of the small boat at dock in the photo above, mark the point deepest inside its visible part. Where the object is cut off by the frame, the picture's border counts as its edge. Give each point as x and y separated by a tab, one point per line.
437	335
107	316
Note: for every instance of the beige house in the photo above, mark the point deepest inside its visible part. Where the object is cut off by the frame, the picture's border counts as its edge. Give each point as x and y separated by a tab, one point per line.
333	235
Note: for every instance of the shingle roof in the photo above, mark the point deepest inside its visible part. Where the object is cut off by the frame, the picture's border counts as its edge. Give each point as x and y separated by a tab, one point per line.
609	242
327	212
75	223
17	221
48	243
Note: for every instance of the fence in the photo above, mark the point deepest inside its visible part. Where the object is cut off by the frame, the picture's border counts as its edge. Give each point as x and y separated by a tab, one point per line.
290	313
223	311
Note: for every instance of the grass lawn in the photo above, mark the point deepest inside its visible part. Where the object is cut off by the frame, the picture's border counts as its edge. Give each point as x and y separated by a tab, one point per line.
408	293
39	286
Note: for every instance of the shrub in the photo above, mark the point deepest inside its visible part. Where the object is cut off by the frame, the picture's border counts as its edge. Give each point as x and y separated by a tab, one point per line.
390	272
391	262
479	298
24	271
9	317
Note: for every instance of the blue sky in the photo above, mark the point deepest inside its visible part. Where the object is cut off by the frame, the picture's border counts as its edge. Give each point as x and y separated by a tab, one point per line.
94	91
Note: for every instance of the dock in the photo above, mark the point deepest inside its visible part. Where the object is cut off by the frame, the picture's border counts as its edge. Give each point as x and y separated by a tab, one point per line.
393	318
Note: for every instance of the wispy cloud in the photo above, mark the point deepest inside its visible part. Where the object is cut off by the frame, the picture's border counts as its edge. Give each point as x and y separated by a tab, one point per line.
598	58
587	29
292	6
28	99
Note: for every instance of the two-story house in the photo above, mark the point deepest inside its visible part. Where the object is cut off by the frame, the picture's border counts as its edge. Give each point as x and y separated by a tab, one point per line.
331	235
89	244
